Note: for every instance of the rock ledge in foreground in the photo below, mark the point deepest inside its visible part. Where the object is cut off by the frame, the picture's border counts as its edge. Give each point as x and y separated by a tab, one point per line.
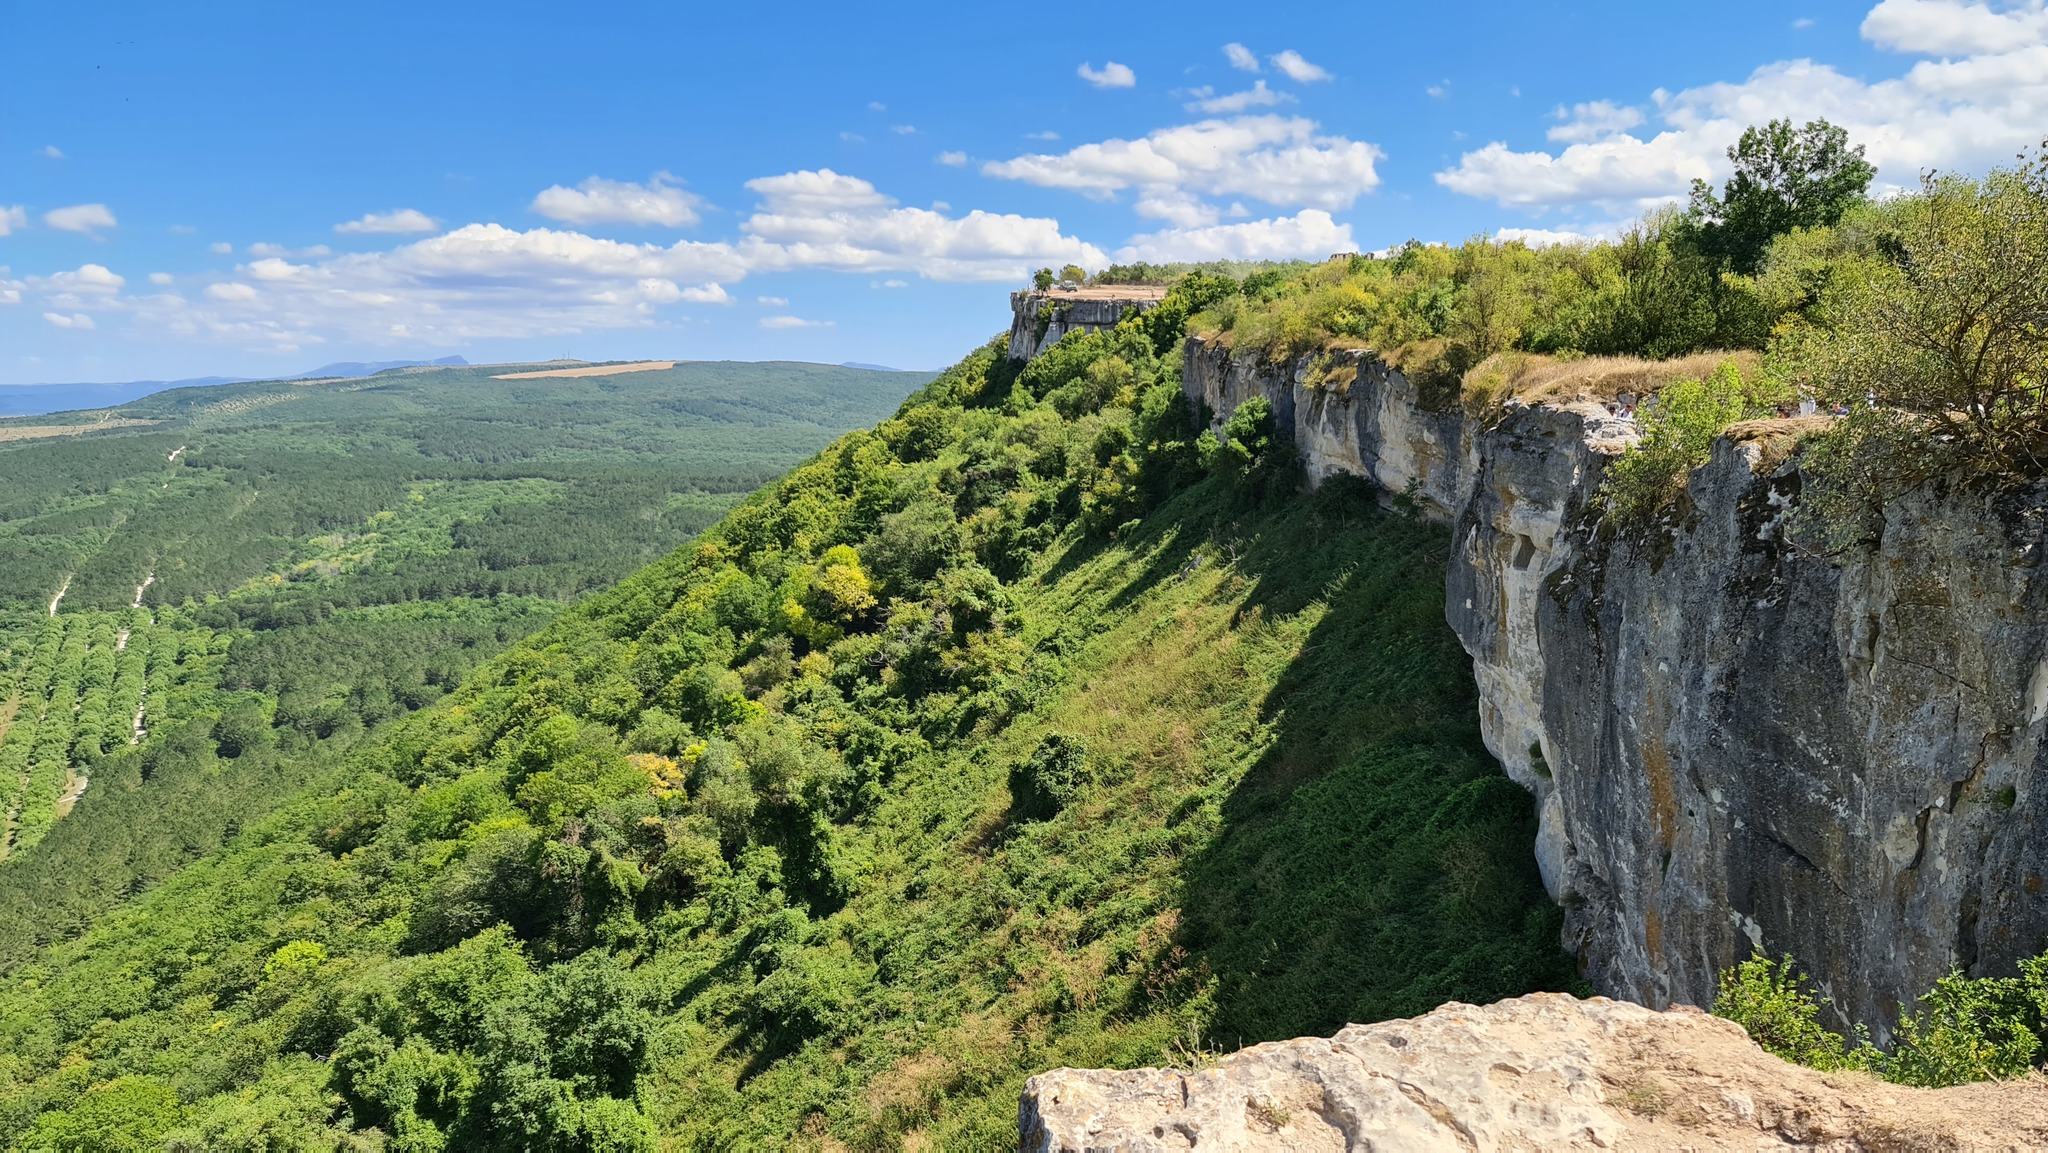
1544	1071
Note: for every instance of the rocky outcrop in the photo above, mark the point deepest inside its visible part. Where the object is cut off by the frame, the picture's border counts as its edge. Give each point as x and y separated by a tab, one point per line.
1039	319
1538	1072
1733	742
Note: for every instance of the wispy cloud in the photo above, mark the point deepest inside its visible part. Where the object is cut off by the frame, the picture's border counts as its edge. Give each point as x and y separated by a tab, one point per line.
398	220
1257	96
1241	58
281	251
793	322
1297	69
13	218
952	159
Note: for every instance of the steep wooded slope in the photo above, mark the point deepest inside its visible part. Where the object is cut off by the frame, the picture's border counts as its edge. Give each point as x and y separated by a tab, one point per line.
1018	732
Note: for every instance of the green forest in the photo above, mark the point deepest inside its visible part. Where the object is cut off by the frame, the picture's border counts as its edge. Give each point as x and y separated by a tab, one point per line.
207	594
1034	725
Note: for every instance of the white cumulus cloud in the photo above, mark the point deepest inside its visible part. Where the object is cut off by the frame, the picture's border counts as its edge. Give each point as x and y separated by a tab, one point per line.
1299	70
793	322
161	278
87	280
72	320
823	219
13	218
1110	75
1984	99
80	218
953	159
1308	234
398	220
601	201
1241	58
487	281
1954	27
1280	160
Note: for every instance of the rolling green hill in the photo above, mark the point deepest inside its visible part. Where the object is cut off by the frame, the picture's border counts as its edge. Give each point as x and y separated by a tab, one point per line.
207	594
1025	729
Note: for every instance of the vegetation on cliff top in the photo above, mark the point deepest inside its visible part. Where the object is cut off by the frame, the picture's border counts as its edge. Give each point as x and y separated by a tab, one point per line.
1028	728
1964	1029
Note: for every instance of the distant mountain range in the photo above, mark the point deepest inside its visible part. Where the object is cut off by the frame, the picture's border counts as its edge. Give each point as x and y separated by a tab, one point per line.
35	399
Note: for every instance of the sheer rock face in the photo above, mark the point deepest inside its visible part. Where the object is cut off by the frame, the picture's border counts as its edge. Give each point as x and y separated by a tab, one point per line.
1039	319
1538	1072
1732	742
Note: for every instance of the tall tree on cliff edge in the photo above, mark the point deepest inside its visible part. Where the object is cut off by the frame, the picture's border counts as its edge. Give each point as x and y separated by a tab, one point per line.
1785	178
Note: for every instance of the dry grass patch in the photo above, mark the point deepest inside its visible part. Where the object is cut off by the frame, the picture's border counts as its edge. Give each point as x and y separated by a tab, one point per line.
588	370
1776	437
1534	379
40	431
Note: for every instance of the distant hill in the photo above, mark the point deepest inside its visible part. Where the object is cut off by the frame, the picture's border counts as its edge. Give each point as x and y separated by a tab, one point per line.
870	367
36	399
372	367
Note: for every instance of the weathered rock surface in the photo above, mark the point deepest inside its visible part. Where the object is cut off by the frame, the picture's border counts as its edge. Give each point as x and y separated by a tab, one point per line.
1538	1072
1039	319
1732	741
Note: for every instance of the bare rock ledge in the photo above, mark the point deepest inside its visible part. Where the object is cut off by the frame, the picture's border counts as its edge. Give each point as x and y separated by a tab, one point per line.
1544	1071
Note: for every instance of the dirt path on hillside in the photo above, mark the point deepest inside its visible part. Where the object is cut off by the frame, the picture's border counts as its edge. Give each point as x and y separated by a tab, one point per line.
68	799
61	590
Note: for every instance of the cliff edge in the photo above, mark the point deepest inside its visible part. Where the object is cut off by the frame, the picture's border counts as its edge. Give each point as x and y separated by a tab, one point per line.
1734	742
1538	1072
1040	317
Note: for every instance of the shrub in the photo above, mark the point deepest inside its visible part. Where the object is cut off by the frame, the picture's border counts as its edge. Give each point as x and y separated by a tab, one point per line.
1770	1000
1934	341
1679	428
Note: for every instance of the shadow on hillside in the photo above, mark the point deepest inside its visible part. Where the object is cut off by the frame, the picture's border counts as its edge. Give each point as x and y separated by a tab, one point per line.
1375	862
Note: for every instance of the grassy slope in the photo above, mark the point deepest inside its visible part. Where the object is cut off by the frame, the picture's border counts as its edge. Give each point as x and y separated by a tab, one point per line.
859	920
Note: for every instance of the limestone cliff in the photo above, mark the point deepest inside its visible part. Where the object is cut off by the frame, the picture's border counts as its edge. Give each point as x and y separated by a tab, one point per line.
1537	1072
1039	319
1732	742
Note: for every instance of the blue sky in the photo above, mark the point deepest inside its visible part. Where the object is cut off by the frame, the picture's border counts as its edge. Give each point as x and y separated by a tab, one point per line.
253	188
